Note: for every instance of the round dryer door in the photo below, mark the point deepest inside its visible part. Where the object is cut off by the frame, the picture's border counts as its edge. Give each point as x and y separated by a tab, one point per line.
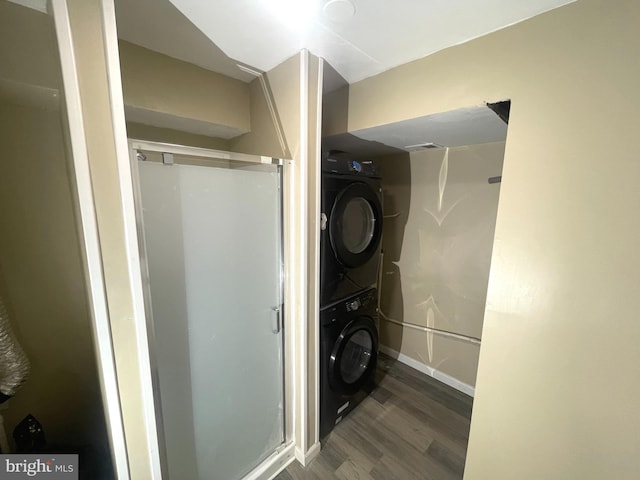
355	225
354	355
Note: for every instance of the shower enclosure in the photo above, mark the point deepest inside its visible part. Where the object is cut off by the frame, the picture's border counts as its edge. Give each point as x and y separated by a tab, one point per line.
210	233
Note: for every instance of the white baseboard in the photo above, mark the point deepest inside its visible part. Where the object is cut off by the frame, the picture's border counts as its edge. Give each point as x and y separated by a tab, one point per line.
432	372
305	458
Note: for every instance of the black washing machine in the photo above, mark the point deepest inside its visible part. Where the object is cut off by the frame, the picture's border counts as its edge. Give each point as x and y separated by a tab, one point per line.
351	224
348	356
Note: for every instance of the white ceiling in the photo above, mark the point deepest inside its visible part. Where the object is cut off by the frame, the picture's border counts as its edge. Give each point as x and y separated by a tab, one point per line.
159	26
379	36
219	35
259	33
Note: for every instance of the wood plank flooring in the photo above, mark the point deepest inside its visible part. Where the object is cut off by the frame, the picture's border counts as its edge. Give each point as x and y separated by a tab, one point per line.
411	428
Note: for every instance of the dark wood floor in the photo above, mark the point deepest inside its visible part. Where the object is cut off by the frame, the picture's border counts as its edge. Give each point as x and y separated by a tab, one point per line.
411	428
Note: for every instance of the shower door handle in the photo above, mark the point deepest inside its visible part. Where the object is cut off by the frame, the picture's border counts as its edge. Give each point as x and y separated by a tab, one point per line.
276	316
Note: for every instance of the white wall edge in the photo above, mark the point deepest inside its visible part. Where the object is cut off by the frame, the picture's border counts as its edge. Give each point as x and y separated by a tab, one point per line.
291	315
303	271
316	239
305	458
131	237
432	372
90	242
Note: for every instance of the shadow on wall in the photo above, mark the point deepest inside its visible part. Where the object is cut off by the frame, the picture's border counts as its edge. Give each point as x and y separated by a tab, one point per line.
43	287
395	171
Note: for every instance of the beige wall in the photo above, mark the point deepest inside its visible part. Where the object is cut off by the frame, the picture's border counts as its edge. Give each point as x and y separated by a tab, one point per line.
557	383
279	88
139	131
42	282
440	214
335	112
32	62
171	93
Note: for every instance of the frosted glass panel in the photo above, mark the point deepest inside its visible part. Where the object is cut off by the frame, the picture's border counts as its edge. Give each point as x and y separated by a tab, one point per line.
213	247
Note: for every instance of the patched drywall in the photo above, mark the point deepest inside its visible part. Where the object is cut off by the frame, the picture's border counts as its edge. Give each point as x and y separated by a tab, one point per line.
440	214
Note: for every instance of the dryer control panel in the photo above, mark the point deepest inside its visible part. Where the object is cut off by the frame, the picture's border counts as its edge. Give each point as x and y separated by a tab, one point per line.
345	166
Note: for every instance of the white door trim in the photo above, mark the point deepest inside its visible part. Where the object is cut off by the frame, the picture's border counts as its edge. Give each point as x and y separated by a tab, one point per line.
90	242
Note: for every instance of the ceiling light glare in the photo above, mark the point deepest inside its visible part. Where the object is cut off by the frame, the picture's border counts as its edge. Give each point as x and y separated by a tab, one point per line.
339	11
294	13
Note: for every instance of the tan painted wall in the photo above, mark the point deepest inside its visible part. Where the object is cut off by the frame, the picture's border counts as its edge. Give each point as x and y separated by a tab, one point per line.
140	131
439	225
37	62
557	387
263	137
42	282
188	94
335	112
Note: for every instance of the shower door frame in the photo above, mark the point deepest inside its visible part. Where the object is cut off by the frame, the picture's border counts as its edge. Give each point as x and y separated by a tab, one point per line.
285	453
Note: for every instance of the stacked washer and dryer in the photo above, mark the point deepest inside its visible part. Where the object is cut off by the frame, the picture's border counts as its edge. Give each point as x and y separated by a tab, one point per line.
350	246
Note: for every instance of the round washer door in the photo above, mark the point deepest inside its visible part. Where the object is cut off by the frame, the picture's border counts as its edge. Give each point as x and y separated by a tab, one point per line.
355	225
354	356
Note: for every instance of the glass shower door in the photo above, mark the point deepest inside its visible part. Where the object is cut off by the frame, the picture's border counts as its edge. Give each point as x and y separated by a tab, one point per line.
212	234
